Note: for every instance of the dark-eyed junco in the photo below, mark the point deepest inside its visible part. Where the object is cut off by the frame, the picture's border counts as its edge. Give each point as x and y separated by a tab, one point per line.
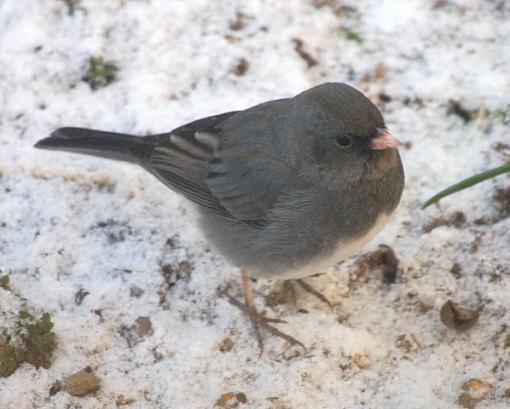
285	188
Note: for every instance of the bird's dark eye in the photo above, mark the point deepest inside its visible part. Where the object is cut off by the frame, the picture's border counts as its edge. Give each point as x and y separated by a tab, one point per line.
344	141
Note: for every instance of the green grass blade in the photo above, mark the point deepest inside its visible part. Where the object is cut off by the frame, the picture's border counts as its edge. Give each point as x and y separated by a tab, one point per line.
473	180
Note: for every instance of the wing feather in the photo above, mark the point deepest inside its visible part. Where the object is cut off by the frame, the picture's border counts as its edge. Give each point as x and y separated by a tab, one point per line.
220	163
180	160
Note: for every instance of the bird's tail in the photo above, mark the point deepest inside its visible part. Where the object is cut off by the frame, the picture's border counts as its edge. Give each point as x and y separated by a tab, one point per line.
108	145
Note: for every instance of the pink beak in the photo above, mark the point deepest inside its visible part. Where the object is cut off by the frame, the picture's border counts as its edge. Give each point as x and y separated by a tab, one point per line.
383	140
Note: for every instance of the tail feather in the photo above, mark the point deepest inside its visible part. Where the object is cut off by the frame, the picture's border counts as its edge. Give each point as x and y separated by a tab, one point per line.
108	145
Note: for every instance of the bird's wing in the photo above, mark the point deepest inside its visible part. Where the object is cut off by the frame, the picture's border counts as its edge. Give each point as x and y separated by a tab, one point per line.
253	165
227	163
180	159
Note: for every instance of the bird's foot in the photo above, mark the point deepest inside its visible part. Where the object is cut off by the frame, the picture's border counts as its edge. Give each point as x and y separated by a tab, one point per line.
288	293
259	321
310	290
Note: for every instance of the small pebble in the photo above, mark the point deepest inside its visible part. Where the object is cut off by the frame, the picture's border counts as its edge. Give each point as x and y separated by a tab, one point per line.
456	270
457	317
231	400
241	397
466	401
477	389
143	326
361	361
135	291
226	345
407	342
385	257
82	383
241	67
185	267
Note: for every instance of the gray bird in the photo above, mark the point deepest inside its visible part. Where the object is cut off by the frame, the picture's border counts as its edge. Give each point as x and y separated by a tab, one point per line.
284	189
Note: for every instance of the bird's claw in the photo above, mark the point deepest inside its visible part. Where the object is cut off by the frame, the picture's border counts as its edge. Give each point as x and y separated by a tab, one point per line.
260	321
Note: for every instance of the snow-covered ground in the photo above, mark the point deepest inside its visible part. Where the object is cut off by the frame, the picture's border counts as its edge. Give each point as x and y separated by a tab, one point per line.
99	244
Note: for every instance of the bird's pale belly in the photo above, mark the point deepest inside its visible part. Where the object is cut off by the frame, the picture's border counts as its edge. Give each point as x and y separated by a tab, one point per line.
322	262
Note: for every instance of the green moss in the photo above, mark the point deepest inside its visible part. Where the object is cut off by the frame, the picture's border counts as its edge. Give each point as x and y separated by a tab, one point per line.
37	346
5	283
29	339
10	359
501	114
25	315
40	341
100	73
354	36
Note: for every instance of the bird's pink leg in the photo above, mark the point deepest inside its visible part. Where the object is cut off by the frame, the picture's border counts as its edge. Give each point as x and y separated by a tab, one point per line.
257	320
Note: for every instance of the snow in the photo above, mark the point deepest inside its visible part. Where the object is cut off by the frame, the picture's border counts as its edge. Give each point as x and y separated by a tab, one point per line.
70	222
